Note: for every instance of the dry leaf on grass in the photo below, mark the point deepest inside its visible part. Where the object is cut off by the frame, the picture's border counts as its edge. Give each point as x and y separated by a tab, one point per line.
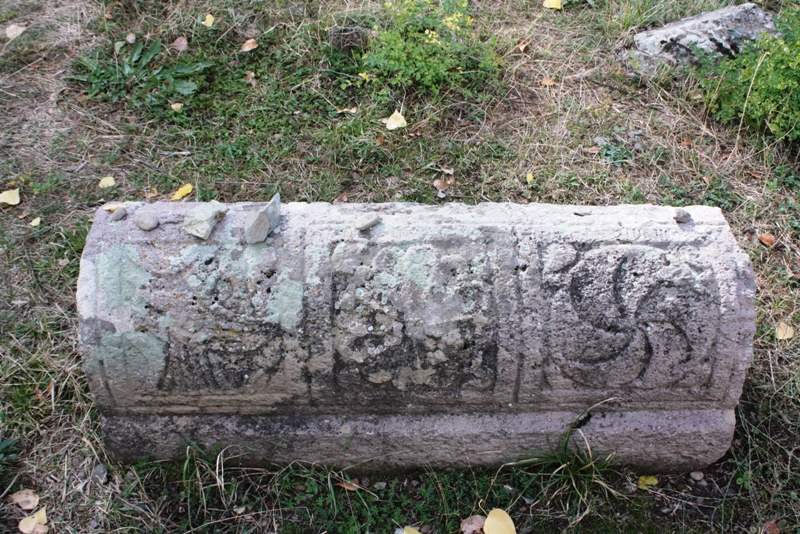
108	181
440	185
552	4
767	239
771	527
13	31
395	121
347	485
35	524
208	21
783	331
182	192
10	197
25	499
646	482
410	530
181	44
176	106
523	47
63	262
499	522
473	524
111	208
249	45
352	111
36	222
529	178
547	82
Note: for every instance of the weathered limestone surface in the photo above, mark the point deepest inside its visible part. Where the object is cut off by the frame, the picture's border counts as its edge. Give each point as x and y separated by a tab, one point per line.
450	335
722	32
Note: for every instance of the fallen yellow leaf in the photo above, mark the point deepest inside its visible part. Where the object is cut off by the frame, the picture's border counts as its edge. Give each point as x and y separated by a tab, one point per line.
209	20
347	110
13	31
25	499
410	530
395	121
552	4
182	192
499	522
646	482
784	331
547	82
248	45
176	106
10	197
108	181
36	222
523	47
34	524
529	178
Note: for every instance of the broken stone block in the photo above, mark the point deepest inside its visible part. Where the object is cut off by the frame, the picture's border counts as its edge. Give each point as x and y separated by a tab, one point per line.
446	335
723	32
261	223
200	222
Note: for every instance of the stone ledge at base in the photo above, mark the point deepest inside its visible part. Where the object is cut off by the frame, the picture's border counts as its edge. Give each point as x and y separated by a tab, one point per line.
653	441
393	336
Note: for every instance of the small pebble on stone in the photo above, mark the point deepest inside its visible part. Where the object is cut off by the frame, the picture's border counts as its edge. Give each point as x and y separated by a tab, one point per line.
146	220
682	216
260	224
119	214
200	222
367	221
696	475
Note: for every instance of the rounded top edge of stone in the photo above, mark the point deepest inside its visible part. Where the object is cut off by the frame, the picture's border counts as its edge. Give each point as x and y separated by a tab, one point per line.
663	214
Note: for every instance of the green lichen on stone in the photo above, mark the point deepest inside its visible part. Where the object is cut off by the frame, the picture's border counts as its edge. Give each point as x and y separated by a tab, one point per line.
285	303
119	277
416	265
138	355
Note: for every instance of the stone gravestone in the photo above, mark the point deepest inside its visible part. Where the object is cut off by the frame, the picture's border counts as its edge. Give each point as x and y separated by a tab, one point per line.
399	335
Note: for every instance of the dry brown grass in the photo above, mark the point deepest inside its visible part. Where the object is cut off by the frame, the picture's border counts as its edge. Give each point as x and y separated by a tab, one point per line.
55	142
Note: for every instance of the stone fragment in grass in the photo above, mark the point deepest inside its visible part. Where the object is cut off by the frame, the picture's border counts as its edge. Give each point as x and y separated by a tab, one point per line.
260	224
200	222
722	32
99	474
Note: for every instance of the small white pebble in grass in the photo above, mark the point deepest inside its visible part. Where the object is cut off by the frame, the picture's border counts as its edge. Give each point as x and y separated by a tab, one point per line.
367	221
696	475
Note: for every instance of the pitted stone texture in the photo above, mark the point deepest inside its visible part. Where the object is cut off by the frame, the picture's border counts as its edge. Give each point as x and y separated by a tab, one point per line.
723	32
490	311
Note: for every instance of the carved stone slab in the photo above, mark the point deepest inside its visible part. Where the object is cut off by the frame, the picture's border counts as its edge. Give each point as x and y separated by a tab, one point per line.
452	335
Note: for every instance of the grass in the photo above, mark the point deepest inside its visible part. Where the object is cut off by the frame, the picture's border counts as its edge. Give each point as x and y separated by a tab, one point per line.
287	134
